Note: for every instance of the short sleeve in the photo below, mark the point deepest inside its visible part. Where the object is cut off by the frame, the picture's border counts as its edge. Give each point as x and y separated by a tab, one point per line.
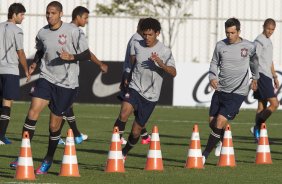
79	40
19	40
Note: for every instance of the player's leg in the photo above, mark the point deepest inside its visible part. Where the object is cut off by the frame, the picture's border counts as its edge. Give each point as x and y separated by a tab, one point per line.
143	111
262	104
70	117
125	111
54	136
10	92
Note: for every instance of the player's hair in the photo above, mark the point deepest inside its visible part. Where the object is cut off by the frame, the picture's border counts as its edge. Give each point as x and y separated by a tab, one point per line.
139	24
150	23
79	11
233	22
269	21
15	8
56	4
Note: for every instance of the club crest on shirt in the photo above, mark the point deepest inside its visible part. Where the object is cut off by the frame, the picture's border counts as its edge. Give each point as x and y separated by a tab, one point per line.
62	39
244	52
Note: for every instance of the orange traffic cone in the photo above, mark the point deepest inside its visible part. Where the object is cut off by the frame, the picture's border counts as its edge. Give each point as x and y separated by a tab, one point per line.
194	157
227	157
69	166
154	157
25	170
263	150
115	158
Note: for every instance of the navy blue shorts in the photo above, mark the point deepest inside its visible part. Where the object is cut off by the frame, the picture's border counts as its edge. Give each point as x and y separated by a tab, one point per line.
60	98
142	108
265	88
226	104
10	86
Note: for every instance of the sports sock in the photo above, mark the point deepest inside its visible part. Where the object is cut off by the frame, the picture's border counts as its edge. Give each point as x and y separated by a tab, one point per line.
72	122
54	138
121	126
144	133
29	125
262	117
4	120
130	144
214	138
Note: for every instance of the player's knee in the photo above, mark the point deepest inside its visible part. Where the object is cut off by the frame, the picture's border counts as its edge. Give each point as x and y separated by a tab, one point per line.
123	116
275	104
54	127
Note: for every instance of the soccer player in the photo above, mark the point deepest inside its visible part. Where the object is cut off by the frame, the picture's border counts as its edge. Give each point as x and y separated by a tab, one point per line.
80	19
126	77
11	54
59	47
265	93
152	59
233	57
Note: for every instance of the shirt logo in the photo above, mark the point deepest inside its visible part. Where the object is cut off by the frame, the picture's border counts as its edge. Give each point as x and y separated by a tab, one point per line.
62	39
244	52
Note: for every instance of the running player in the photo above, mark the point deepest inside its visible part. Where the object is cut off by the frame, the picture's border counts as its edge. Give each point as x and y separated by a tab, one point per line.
233	57
265	93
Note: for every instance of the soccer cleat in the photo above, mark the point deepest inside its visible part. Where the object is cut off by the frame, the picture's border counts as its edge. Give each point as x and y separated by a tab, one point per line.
123	141
61	142
256	133
5	140
146	141
43	168
218	149
252	130
204	160
78	140
14	163
84	136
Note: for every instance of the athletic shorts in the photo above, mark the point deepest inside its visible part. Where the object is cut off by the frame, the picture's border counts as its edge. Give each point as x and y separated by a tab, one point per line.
226	104
265	88
10	86
60	98
142	108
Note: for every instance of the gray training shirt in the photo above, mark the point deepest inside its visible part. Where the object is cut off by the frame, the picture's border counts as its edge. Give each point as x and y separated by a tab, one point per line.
11	40
68	37
233	62
264	50
127	64
147	76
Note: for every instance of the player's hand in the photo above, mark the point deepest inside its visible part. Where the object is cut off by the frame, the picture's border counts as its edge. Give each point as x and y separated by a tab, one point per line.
27	76
214	83
155	57
254	85
64	55
31	68
276	83
104	68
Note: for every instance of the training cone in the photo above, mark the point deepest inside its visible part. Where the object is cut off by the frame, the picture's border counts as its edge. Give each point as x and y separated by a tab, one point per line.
25	170
154	157
69	166
227	157
263	150
115	158
194	157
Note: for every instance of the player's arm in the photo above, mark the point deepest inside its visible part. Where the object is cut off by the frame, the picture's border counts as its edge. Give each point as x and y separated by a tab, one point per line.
254	64
22	60
36	60
213	70
275	77
168	69
83	56
103	66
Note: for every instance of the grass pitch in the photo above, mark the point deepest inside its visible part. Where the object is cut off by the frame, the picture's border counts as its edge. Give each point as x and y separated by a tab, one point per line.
175	128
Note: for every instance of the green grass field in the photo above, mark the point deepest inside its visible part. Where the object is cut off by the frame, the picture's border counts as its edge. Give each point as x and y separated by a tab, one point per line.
175	128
